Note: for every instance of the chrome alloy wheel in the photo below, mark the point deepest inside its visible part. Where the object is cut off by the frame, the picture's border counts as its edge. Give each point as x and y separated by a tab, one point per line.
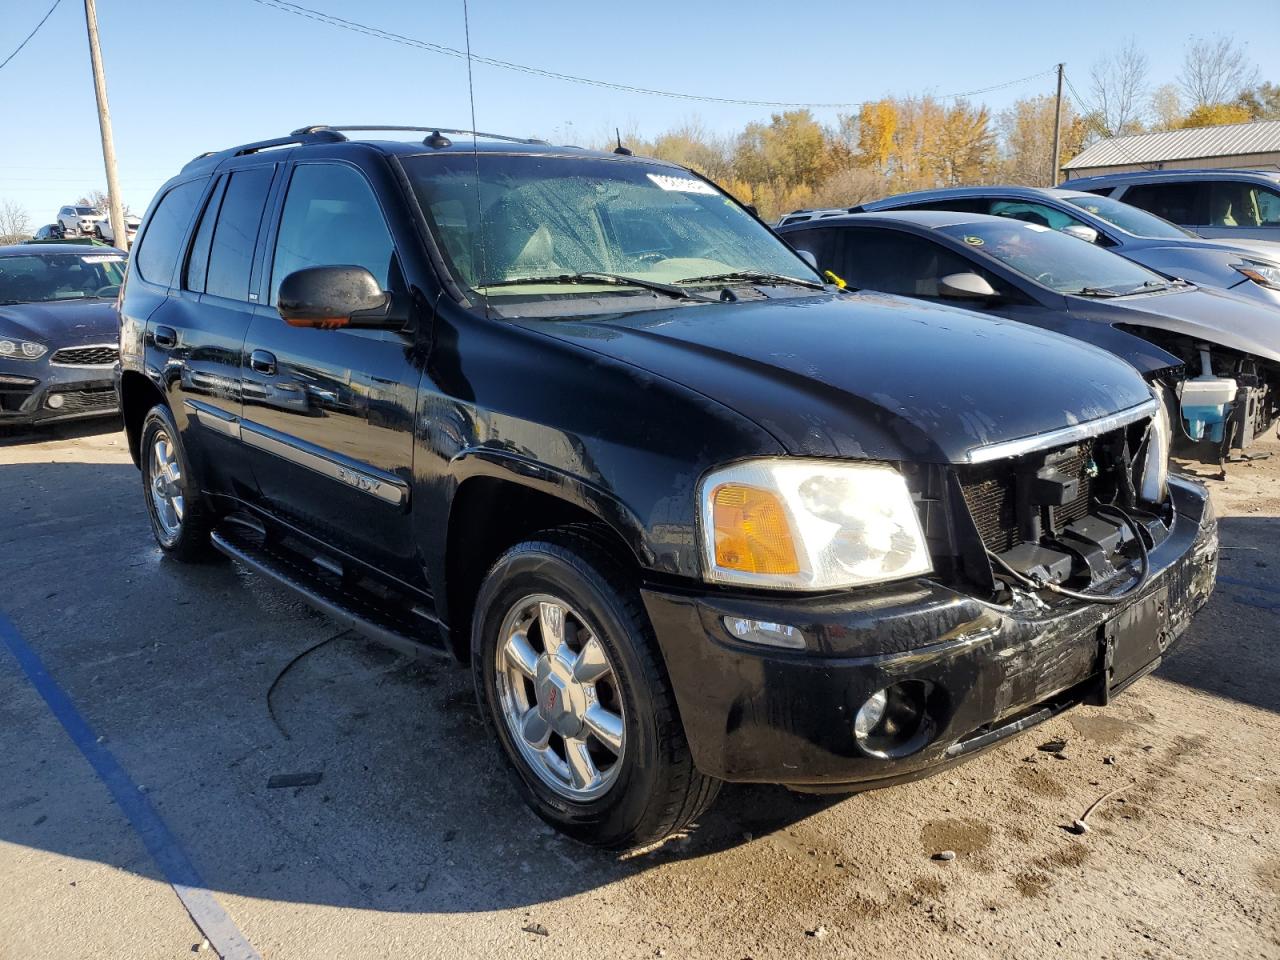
166	485
560	698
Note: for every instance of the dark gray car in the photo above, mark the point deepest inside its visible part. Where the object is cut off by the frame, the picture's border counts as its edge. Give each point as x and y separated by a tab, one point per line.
1249	268
1033	274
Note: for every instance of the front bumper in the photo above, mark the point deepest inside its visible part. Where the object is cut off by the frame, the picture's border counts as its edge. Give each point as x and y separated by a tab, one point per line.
25	389
758	714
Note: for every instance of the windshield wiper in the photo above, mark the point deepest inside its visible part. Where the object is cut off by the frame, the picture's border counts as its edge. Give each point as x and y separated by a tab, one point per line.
1150	286
1094	292
751	276
610	279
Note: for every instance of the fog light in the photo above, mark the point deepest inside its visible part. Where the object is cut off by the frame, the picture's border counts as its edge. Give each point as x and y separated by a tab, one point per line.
896	721
870	714
761	631
55	400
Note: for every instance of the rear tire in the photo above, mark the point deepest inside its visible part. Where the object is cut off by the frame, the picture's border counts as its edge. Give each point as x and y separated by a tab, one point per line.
645	785
180	520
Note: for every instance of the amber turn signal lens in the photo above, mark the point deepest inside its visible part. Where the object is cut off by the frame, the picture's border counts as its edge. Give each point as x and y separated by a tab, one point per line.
751	531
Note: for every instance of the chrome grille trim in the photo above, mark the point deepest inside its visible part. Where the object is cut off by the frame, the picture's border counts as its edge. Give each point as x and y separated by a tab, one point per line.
1011	449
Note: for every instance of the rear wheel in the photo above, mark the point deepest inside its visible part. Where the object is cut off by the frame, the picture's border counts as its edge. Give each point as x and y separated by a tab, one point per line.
570	678
180	520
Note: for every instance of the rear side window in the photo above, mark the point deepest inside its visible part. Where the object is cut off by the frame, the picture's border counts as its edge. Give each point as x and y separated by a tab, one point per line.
236	233
1236	203
331	217
1183	203
158	248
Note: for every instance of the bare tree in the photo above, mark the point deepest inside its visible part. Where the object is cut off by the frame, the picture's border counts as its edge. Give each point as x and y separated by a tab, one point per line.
1166	108
15	222
1215	70
1120	89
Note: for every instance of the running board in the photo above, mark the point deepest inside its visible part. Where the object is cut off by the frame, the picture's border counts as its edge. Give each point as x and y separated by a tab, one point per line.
364	615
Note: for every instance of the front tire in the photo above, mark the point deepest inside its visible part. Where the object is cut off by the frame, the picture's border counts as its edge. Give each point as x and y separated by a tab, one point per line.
570	679
180	521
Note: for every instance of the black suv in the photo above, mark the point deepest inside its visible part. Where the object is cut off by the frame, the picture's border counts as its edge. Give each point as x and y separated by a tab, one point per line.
691	514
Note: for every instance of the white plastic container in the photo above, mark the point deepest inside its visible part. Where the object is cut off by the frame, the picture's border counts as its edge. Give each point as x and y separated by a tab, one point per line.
1206	401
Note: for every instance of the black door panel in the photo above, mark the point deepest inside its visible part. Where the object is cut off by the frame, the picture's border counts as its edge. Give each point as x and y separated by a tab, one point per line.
328	414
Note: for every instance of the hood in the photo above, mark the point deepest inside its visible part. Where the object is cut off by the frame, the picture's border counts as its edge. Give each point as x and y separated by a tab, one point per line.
1258	249
869	376
1212	315
62	324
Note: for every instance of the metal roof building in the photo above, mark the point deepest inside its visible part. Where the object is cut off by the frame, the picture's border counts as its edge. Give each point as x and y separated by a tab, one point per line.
1253	145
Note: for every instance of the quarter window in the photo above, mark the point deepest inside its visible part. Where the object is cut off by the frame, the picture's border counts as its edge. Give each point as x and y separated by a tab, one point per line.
331	217
157	250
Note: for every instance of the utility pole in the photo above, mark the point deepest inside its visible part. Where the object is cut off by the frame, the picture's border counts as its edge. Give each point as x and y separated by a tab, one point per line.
1057	132
115	208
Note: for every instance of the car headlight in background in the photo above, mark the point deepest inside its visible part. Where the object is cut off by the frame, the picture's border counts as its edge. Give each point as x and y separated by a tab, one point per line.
809	525
1155	463
21	350
1267	274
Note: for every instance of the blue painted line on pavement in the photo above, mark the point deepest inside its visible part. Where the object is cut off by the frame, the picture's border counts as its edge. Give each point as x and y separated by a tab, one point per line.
223	935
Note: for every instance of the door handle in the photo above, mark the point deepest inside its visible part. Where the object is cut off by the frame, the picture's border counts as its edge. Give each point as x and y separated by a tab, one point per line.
165	337
263	362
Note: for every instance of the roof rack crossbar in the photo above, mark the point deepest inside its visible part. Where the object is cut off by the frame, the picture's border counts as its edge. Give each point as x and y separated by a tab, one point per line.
306	135
318	128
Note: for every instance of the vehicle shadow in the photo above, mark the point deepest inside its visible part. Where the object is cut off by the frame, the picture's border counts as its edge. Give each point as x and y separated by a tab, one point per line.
187	674
1230	649
66	430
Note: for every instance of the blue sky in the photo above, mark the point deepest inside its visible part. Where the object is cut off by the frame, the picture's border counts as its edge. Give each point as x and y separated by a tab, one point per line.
187	76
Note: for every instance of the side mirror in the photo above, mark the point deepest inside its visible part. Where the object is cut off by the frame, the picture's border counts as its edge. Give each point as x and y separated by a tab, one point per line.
1081	232
330	297
966	286
808	257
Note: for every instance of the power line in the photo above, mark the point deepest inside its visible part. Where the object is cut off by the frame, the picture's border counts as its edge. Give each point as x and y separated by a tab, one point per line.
380	34
1091	117
31	34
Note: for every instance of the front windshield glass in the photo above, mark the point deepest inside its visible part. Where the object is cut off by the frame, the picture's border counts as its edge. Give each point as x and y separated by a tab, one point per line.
534	218
85	211
43	277
1131	220
1059	261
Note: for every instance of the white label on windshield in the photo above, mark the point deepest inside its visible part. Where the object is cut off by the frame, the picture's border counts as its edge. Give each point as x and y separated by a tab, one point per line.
103	258
1038	227
682	184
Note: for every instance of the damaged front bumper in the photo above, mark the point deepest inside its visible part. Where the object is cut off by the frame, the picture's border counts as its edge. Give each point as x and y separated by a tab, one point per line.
981	672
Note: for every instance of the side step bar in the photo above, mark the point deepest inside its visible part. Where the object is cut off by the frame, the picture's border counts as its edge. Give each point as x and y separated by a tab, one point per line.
292	572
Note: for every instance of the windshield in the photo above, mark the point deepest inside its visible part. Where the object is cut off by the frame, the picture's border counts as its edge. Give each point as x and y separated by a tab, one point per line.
1131	220
549	218
86	211
40	278
1059	261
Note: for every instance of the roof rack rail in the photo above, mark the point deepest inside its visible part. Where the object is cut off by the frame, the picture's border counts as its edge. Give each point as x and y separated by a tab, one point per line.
305	135
340	128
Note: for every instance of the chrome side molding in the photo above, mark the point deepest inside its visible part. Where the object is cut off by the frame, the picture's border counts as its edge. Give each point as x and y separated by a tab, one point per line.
359	476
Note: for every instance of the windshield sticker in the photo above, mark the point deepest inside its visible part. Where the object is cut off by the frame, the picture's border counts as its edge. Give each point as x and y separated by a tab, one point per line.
103	258
974	241
682	184
1038	227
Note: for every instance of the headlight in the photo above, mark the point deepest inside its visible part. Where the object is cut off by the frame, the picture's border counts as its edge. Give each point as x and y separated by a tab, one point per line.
809	525
1267	274
22	350
1155	465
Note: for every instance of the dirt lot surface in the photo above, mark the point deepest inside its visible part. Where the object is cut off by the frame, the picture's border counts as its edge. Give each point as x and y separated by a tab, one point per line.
413	844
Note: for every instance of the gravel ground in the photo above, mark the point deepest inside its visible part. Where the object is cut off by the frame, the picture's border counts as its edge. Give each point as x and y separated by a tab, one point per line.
415	844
